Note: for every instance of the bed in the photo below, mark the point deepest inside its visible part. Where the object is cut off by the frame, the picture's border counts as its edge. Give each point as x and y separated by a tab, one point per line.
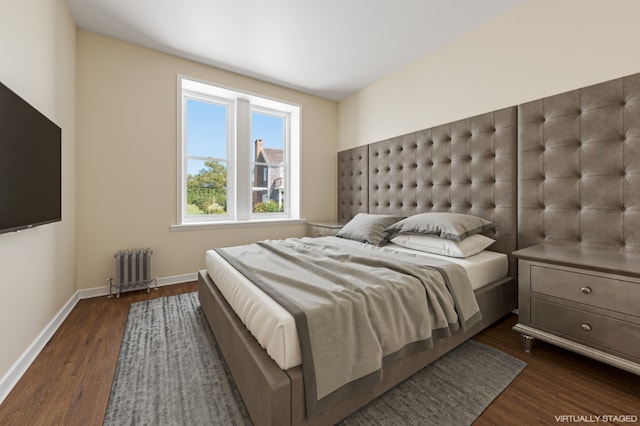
274	327
274	395
466	167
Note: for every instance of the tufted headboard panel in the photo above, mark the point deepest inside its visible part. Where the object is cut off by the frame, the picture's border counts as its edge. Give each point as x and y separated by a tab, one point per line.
468	166
353	183
579	167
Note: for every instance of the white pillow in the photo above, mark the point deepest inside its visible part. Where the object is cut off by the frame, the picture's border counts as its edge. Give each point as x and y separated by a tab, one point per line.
471	245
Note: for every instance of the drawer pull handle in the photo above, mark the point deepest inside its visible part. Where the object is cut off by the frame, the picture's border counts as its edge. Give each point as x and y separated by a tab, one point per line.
586	290
585	327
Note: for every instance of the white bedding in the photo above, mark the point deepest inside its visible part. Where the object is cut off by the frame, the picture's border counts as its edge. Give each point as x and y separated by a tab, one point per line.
275	329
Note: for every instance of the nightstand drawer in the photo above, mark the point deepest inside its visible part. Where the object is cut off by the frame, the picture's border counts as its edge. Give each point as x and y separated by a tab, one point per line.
620	336
589	289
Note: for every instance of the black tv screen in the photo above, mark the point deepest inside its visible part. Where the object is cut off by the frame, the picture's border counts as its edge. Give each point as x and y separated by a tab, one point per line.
30	165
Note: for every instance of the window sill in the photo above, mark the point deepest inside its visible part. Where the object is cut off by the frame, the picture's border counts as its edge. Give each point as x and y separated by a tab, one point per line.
196	226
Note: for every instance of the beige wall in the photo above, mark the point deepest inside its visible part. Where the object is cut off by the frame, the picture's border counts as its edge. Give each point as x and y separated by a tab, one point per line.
127	159
37	266
539	48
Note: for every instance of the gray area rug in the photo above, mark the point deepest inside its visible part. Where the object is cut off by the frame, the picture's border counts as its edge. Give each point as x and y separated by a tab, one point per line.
170	372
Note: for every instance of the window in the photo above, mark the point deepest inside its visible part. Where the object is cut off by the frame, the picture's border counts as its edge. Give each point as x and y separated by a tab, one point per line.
239	156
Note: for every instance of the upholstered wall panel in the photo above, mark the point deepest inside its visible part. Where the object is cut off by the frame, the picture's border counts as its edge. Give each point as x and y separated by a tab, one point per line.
468	166
579	167
353	195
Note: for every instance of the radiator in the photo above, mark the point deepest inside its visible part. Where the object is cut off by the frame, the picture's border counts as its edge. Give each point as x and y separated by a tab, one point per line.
133	271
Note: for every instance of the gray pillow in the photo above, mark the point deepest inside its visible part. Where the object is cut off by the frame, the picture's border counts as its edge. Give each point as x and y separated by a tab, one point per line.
368	228
453	226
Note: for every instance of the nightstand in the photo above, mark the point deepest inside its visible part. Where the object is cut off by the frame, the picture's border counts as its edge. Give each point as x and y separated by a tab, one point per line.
584	300
324	229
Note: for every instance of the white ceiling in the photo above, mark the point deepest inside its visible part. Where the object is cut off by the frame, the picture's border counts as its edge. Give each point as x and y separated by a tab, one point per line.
329	48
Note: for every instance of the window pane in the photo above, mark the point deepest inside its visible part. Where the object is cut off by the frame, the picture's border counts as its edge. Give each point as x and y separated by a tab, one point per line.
206	150
206	187
206	124
268	162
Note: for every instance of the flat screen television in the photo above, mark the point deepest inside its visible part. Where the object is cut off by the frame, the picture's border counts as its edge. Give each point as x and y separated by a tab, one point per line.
30	165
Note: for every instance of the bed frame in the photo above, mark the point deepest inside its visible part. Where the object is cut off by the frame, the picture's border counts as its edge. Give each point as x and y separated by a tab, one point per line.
468	166
276	397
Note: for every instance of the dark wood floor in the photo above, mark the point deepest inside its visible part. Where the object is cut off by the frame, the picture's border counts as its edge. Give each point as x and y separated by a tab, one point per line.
69	382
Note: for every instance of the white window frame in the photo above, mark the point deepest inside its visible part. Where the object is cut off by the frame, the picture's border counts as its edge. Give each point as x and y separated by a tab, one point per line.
239	183
230	160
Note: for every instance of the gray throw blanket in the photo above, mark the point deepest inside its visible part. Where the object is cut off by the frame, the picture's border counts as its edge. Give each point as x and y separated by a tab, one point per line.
356	306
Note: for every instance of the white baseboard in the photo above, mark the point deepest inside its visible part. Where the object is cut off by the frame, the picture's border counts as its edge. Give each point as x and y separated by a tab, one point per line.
104	291
178	279
10	379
